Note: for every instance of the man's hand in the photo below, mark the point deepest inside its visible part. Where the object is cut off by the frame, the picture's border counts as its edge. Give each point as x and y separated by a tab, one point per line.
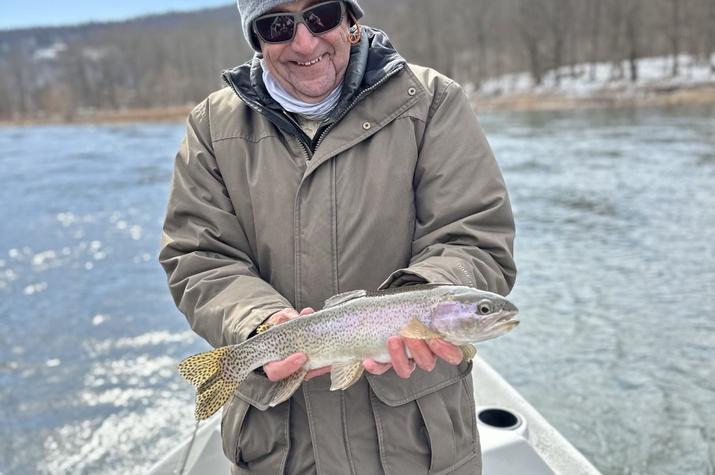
277	370
424	354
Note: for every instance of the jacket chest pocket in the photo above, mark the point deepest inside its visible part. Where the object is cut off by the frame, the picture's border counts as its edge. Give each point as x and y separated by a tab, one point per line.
427	420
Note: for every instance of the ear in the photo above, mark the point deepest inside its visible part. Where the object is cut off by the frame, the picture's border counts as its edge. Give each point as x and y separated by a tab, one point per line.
354	30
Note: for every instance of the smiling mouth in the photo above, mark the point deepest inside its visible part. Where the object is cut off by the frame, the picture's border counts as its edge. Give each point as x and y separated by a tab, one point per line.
311	62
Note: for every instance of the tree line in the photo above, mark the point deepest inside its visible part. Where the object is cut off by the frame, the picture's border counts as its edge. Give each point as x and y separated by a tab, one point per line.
176	59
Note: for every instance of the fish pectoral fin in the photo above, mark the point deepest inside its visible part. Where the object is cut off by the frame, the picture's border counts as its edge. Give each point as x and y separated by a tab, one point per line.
344	297
344	375
286	387
417	329
469	351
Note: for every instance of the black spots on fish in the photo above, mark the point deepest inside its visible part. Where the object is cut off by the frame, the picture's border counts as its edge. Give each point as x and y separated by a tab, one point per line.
197	369
210	400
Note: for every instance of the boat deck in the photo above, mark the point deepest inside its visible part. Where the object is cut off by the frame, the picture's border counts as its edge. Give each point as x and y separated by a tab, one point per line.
515	438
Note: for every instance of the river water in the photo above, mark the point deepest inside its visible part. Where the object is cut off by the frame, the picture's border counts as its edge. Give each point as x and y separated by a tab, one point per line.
615	215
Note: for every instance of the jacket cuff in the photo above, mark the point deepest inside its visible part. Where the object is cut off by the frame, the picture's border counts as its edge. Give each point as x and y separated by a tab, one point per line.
248	325
411	276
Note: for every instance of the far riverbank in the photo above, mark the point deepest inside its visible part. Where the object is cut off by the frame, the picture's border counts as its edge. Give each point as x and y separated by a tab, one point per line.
517	101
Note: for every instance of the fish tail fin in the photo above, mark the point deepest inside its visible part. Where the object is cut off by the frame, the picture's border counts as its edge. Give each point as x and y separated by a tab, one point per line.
213	388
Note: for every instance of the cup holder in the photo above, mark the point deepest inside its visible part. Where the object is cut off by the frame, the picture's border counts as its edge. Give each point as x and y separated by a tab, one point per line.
500	418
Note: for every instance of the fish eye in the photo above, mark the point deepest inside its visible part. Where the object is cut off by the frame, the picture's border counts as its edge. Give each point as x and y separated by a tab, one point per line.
484	307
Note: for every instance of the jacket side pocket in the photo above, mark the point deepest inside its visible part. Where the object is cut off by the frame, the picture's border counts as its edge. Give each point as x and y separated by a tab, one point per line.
255	437
427	421
231	423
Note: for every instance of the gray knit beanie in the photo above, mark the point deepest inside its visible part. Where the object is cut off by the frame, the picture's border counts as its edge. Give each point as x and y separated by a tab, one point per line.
252	9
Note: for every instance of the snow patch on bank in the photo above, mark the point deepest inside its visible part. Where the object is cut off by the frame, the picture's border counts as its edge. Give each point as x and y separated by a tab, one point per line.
583	80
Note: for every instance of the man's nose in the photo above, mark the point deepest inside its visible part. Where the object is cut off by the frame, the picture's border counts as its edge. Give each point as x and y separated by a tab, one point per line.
304	42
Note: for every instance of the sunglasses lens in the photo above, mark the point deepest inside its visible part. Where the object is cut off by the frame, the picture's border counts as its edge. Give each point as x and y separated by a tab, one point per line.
323	17
275	29
278	28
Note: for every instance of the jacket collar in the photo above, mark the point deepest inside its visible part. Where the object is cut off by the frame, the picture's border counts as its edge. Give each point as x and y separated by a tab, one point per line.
373	59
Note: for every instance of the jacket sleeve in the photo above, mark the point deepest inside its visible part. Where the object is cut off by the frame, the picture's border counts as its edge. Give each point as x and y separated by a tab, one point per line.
464	229
204	249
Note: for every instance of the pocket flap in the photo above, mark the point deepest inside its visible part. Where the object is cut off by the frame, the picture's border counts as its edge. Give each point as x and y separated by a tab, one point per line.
395	391
257	390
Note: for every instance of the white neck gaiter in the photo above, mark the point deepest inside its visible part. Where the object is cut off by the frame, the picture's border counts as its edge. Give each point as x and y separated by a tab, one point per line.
292	104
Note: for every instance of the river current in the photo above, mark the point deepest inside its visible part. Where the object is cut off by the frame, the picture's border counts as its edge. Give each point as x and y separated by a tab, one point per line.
615	213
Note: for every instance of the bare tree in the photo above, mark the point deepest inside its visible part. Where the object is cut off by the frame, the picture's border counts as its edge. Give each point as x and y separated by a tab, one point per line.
632	17
594	12
711	35
530	32
673	32
558	14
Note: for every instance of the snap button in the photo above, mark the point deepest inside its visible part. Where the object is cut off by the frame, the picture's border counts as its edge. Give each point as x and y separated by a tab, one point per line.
412	91
366	125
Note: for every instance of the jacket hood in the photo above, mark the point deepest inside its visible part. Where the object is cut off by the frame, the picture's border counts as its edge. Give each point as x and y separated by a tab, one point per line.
370	61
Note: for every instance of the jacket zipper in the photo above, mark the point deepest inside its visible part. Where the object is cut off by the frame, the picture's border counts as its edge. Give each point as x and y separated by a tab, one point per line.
308	154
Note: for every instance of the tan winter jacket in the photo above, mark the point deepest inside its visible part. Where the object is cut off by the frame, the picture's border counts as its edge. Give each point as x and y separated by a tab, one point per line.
402	188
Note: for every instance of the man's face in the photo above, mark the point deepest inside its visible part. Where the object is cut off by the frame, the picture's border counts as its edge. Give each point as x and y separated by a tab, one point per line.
309	67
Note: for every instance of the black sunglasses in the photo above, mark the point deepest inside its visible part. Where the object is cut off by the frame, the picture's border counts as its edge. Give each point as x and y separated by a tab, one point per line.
281	27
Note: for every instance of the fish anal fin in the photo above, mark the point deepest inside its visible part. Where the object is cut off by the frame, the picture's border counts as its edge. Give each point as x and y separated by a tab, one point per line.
344	297
469	351
215	395
416	329
344	375
286	387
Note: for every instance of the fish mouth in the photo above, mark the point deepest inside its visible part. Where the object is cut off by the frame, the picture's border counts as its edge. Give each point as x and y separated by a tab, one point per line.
508	312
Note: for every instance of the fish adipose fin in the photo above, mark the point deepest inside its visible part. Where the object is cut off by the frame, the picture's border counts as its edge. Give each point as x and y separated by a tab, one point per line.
286	387
205	372
344	297
469	352
417	329
344	375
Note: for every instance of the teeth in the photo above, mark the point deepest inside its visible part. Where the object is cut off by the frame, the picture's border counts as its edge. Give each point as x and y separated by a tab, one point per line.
310	63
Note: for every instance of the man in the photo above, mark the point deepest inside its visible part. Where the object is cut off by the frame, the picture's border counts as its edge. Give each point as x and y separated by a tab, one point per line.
330	164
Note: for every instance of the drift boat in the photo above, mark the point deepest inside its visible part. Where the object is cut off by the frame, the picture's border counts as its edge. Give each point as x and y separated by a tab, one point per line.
515	438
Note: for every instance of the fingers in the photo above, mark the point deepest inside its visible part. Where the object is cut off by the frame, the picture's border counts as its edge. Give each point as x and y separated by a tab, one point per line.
317	372
421	353
447	351
282	316
277	370
375	367
400	363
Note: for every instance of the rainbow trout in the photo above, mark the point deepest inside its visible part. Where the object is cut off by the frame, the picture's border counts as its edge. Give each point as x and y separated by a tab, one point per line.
351	327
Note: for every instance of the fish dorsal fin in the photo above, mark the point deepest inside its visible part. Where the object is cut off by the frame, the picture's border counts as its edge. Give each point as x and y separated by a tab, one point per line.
403	289
469	351
417	329
286	387
344	375
344	297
